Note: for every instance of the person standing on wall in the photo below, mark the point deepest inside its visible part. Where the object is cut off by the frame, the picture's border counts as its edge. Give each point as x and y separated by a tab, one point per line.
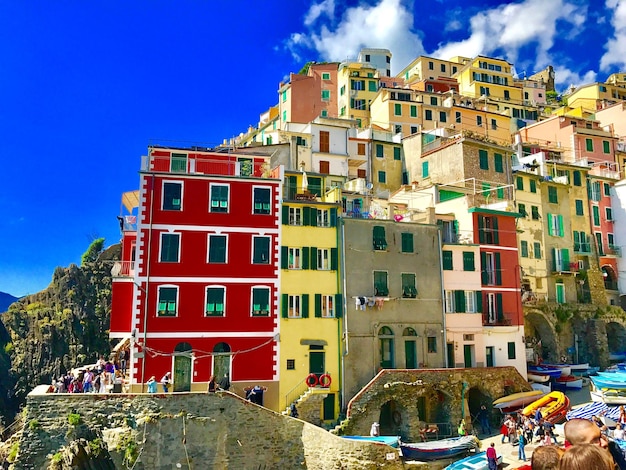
166	381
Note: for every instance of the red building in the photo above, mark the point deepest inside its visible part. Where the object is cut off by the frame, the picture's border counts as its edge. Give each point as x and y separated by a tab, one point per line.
196	292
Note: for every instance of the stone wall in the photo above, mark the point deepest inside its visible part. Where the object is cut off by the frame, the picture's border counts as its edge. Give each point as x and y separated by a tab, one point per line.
195	430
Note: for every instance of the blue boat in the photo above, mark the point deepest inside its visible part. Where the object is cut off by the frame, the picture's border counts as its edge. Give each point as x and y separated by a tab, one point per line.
441	449
473	462
392	441
553	372
603	382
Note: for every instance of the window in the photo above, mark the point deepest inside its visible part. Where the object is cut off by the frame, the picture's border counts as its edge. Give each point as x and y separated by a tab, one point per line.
488	229
219	198
291	364
357	84
524	248
178	163
595	191
372	85
468	261
325	76
324	167
535	212
560	259
494	124
170	247
380	283
552	195
397	109
599	243
324	306
449	301
533	186
443	117
217	248
497	158
260	301
294	258
407	242
521	208
447	260
577	178
360	149
167	301
284	96
519	181
560	293
431	66
323	114
507	95
433	100
382	177
262	200
409	291
432	345
470	301
295	306
323	218
491	273
537	250
324	141
295	216
396	153
606	146
596	215
323	260
511	349
379	150
609	214
261	250
424	169
607	189
285	116
483	159
172	193
428	115
555	225
589	145
413	109
379	241
386	349
215	297
610	239
479	121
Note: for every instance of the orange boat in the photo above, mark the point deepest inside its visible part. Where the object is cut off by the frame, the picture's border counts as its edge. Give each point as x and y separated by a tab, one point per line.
553	406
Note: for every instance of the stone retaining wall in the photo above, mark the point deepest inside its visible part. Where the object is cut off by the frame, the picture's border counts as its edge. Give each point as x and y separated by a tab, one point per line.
193	430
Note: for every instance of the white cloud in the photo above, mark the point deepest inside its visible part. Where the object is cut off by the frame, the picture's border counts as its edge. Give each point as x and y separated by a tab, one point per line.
387	25
512	26
616	46
325	7
565	78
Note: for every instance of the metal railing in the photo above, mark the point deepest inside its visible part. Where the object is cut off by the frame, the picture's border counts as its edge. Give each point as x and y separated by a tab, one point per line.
295	393
123	269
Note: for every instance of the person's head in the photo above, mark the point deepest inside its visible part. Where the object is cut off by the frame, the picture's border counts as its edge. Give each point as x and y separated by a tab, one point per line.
582	431
152	378
586	457
618	426
546	458
493	444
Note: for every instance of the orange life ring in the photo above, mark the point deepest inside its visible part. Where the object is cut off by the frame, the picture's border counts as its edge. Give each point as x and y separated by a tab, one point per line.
311	380
325	380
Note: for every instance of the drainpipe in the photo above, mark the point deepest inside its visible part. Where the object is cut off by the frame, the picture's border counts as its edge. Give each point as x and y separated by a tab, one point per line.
443	303
341	280
145	306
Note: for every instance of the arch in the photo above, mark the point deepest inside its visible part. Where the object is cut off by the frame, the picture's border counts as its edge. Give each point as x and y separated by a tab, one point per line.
616	337
221	360
476	397
182	367
609	276
392	416
409	332
386	347
541	336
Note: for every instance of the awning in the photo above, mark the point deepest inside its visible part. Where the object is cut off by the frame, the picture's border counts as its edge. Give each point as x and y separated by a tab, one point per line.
130	200
123	344
594	409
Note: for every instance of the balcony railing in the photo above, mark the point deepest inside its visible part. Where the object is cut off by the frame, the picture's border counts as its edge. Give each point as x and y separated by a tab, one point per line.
496	320
123	269
227	165
610	285
613	250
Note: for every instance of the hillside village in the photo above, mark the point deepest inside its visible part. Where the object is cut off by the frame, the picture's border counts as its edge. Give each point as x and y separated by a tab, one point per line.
451	216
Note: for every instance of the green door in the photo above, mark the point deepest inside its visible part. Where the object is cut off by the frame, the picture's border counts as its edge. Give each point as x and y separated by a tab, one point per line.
450	347
410	353
317	364
182	373
329	407
468	355
221	360
489	356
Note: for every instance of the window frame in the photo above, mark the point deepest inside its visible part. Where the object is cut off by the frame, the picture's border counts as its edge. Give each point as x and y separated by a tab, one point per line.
254	248
269	301
180	196
222	312
161	252
159	302
208	251
295	215
219	208
262	210
409	285
294	260
294	304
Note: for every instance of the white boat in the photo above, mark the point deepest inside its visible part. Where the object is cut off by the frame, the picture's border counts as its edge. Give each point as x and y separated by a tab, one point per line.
517	400
566	369
610	397
539	378
473	462
542	387
579	367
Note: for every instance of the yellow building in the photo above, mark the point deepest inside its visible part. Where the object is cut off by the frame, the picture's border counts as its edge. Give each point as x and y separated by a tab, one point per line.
425	67
597	95
311	301
358	85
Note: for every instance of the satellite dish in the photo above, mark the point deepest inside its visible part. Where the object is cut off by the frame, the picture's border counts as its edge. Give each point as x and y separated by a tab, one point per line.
369	185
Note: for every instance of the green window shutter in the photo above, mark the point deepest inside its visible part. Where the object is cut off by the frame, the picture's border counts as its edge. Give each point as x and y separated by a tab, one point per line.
407	242
498	270
285	217
479	301
500	307
565	258
554	266
606	147
313	217
520	183
447	260
305	257
496	233
576	240
306	216
334	259
579	207
561	230
338	305
333	217
533	186
284	257
313	258
413	110
596	215
577	178
318	305
285	306
379	240
498	163
305	305
524	249
459	301
550	229
468	261
396	153
483	268
537	250
483	159
424	169
589	144
481	229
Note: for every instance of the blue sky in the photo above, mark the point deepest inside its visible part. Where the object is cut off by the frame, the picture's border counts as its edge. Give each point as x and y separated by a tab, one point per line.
85	87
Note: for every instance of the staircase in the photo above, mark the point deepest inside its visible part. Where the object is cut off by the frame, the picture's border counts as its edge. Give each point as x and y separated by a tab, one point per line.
308	405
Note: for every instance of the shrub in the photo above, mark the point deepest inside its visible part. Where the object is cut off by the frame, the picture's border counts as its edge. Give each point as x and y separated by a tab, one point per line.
15	448
74	419
33	424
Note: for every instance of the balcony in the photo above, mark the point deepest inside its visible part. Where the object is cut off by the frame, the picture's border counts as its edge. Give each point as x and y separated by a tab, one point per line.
123	269
496	320
613	250
194	163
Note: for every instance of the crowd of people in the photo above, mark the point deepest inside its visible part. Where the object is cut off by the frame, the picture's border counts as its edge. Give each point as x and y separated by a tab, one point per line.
102	377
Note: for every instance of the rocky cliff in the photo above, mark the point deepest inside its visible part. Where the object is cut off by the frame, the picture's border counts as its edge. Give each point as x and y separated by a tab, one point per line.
66	325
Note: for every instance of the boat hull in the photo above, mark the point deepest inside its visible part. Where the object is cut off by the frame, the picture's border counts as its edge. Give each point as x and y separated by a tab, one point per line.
603	382
570	382
609	397
392	441
539	378
517	399
553	406
541	370
473	462
442	449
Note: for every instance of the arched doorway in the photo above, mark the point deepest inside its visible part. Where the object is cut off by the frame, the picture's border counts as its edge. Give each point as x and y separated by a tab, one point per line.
387	353
391	418
540	336
610	279
616	338
182	367
410	348
221	360
475	399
